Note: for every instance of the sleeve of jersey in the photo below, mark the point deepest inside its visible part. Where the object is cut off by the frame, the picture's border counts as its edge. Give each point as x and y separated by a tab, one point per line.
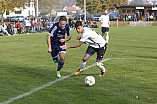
52	31
84	37
68	31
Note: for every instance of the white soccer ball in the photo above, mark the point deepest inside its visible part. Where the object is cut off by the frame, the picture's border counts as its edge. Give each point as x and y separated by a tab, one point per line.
89	80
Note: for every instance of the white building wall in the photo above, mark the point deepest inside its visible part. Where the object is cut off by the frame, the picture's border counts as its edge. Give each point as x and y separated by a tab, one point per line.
24	12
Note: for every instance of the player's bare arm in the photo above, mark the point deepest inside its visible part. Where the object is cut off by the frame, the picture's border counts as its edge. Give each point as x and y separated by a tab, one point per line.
48	38
78	38
66	39
72	46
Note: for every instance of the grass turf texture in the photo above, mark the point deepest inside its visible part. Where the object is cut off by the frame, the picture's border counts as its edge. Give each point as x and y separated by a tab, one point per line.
25	64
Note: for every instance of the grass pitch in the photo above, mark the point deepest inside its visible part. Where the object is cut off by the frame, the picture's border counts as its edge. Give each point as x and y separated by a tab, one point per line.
131	77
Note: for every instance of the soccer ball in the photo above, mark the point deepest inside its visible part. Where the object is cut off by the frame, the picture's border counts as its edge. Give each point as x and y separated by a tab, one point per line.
89	80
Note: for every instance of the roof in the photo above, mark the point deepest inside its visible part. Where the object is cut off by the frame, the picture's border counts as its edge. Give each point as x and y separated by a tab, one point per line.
71	9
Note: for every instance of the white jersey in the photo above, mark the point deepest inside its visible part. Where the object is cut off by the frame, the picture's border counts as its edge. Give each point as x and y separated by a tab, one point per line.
105	20
92	38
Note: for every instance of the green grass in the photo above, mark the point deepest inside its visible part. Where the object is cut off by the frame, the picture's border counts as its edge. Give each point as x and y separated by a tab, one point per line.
25	65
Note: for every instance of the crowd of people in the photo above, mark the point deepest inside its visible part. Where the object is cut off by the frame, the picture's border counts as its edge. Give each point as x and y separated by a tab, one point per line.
137	17
87	23
28	25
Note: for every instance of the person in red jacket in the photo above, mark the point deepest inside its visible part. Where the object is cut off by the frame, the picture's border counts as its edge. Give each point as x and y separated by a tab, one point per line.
19	28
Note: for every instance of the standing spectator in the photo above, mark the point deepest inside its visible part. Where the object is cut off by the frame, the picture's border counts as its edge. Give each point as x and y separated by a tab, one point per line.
138	16
27	25
38	26
24	23
70	21
104	19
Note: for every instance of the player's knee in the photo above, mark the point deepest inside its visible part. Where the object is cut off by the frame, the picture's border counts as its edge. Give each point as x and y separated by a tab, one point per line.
84	59
98	64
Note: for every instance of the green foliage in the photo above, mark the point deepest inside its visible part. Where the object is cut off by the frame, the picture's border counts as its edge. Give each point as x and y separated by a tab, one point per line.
94	6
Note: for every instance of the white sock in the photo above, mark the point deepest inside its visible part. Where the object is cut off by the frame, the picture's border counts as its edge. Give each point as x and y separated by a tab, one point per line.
107	38
83	64
101	66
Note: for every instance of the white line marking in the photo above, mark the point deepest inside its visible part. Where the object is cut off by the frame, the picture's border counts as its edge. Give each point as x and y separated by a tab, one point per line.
57	80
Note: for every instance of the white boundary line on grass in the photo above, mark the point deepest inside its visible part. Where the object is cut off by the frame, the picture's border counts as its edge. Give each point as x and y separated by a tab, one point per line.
57	80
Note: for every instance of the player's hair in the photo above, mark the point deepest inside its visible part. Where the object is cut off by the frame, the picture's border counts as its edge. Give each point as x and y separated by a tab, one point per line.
63	18
77	24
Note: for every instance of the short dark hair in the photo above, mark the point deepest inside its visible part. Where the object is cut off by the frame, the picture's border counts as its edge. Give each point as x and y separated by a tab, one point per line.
63	18
77	24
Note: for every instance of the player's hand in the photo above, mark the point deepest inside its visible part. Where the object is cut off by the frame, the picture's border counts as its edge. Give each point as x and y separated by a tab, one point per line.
78	38
64	47
101	22
49	50
62	40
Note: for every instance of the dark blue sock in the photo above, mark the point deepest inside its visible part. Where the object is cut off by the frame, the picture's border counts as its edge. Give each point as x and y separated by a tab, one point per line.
60	65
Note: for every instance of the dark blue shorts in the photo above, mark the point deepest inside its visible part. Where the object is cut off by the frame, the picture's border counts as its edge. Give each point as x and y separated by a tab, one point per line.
56	50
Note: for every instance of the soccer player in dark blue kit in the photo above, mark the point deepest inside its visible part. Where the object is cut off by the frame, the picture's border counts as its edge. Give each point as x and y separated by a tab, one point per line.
55	39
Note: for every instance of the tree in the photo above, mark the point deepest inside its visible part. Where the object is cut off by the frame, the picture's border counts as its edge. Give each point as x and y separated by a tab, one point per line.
47	5
9	5
93	6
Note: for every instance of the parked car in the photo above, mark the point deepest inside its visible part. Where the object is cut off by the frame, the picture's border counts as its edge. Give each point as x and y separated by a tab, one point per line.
96	18
7	19
17	18
112	18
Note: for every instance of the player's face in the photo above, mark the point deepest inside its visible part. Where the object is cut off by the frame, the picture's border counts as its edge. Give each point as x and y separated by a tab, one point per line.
79	29
62	24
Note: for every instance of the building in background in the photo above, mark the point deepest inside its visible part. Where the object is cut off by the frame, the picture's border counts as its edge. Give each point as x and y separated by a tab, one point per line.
28	11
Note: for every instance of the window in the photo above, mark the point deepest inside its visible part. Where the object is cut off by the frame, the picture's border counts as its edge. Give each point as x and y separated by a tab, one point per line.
129	11
133	11
123	11
17	12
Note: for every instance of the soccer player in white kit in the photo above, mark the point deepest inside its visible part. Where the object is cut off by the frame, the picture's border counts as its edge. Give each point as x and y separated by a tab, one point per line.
104	19
96	44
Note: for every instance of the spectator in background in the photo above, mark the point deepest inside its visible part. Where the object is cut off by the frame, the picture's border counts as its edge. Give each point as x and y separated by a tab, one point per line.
12	28
19	28
129	17
38	26
70	21
24	23
27	25
138	16
145	17
15	27
148	17
9	29
151	18
1	32
3	27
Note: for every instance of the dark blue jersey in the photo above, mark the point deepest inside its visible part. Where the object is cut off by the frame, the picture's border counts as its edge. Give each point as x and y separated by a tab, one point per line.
57	33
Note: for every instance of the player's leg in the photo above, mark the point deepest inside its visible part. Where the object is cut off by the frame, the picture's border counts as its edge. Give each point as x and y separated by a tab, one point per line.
83	64
90	51
107	35
100	54
60	62
54	54
103	31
